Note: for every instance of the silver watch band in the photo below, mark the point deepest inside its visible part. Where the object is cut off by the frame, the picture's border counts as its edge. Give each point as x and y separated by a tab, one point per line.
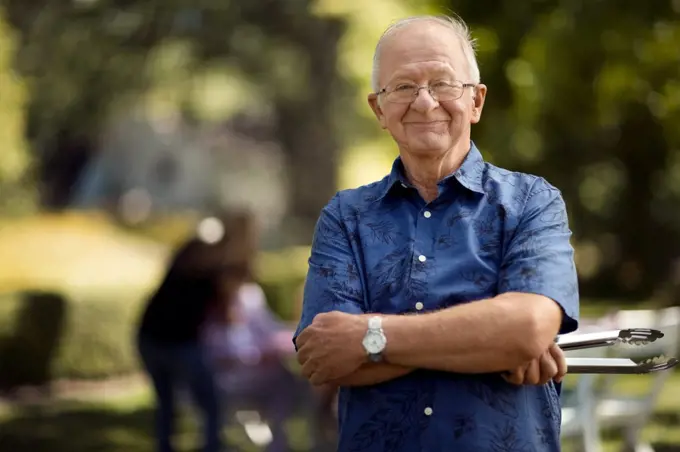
375	323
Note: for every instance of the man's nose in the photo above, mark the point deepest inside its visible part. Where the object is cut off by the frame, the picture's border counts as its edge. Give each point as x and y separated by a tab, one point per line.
424	101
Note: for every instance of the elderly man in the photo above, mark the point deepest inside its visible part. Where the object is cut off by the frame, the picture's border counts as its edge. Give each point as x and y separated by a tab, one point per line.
434	295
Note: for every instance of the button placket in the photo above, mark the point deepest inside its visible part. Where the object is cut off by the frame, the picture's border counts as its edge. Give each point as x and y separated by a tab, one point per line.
423	225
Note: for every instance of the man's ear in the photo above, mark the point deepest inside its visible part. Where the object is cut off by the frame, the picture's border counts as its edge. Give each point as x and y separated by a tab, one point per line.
478	103
374	103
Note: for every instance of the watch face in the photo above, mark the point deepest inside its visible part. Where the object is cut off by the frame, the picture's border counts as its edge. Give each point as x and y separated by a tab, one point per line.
374	342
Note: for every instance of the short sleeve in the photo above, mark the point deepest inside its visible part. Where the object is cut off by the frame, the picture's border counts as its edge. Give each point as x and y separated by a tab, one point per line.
539	258
333	282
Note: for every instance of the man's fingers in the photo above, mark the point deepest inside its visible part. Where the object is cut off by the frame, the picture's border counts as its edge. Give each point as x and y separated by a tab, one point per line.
532	376
303	353
515	377
548	368
561	362
303	337
318	379
509	377
308	368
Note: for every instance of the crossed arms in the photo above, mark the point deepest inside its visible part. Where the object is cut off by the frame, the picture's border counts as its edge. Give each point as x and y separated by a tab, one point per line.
492	335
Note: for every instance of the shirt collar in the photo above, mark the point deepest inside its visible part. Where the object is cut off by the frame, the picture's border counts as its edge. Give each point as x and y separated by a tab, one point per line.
469	175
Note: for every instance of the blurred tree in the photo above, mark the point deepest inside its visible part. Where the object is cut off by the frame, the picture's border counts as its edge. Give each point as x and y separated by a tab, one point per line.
84	59
587	94
16	188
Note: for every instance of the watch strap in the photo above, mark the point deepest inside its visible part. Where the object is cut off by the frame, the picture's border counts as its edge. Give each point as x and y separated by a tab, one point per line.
375	323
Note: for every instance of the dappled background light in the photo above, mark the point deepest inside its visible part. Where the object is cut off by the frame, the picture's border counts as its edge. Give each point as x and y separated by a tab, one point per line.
124	124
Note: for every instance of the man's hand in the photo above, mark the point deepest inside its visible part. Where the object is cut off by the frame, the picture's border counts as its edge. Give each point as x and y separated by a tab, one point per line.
552	365
330	348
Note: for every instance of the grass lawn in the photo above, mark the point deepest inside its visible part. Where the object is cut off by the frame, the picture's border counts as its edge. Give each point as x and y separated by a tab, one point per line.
124	423
121	424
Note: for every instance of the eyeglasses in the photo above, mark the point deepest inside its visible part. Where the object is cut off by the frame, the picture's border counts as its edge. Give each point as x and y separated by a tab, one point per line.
406	93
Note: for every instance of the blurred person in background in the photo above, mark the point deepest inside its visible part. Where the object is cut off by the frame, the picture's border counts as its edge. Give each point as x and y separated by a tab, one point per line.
202	277
251	349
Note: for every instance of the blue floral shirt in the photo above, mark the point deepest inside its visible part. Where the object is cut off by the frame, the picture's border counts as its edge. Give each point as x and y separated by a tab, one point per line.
382	248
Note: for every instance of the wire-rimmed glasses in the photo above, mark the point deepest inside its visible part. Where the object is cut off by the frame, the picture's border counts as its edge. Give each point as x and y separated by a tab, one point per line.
405	93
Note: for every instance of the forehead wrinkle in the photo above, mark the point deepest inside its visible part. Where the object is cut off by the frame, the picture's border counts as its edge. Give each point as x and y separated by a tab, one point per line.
418	70
432	46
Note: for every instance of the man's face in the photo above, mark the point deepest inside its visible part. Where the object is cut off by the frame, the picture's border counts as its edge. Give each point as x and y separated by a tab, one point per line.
423	54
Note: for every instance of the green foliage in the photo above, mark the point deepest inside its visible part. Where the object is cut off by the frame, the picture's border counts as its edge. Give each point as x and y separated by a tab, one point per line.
98	339
586	94
18	195
89	335
44	336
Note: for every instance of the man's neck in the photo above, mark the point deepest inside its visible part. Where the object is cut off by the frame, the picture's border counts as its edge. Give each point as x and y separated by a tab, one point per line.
424	173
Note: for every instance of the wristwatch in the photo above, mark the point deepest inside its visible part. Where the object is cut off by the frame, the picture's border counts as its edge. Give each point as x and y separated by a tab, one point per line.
374	341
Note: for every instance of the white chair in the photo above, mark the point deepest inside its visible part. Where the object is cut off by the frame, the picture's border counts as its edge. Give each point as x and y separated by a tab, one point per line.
579	420
632	413
589	410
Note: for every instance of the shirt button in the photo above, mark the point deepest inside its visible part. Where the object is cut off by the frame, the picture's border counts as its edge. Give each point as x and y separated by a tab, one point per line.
422	258
428	411
419	306
427	214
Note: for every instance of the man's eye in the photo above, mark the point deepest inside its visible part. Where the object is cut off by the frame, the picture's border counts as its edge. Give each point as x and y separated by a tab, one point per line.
404	88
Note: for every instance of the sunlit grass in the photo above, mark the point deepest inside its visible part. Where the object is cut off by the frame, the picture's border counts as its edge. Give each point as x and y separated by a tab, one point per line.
124	422
110	423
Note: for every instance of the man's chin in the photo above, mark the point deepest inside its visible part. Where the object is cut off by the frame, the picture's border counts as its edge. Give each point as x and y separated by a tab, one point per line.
429	147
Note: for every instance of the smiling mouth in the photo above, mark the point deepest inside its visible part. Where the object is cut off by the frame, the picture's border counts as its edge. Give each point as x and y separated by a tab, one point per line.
428	125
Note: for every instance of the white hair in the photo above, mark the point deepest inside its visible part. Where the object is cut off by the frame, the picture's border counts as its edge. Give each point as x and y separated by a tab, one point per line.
456	24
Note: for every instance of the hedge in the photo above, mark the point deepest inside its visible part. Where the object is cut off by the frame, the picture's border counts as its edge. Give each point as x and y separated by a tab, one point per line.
47	335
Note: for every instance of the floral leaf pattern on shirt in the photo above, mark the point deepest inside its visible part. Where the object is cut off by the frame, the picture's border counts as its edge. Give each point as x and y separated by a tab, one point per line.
456	218
547	409
329	238
521	194
507	439
494	397
490	231
388	424
383	231
480	279
530	243
444	242
416	289
463	425
547	438
344	287
486	225
390	275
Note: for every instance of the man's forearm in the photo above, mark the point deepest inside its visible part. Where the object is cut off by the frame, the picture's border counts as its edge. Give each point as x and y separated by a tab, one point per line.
372	374
491	335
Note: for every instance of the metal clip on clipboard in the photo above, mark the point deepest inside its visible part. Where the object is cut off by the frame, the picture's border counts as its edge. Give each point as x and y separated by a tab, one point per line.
633	336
